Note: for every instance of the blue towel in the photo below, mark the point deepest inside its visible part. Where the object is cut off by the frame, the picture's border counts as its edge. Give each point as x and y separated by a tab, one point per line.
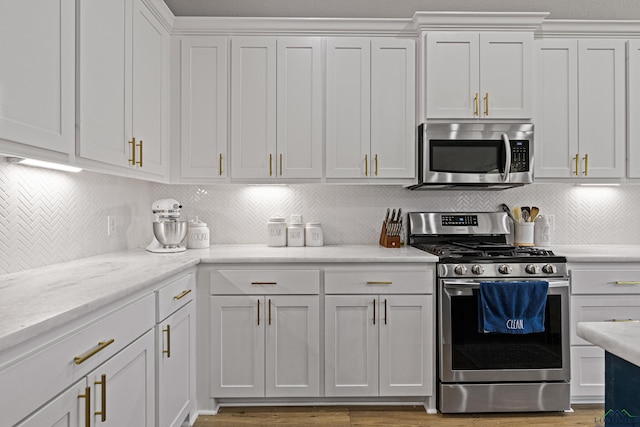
512	307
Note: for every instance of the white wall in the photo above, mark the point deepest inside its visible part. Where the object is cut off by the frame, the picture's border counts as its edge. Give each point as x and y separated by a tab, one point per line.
49	217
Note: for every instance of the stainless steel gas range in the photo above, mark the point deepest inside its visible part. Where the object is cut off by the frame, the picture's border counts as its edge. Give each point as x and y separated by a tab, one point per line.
494	372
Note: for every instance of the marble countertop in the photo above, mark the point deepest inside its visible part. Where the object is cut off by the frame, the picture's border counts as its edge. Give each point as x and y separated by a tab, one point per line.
35	301
619	338
598	253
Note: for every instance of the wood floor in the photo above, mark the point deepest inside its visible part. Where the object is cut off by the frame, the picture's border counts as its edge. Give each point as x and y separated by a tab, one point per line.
344	416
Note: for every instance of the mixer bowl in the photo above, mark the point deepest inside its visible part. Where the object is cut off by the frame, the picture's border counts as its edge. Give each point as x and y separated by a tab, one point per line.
170	233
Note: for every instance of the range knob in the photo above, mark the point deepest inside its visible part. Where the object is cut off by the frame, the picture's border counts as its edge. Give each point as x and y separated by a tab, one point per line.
460	270
477	269
549	269
532	269
504	269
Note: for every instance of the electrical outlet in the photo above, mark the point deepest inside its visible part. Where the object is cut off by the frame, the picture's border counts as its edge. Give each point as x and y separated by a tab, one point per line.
296	219
552	222
111	225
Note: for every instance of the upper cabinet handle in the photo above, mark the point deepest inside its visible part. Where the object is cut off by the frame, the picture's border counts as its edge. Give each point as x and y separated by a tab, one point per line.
477	102
220	170
486	104
586	165
632	282
132	160
376	161
366	165
577	159
270	164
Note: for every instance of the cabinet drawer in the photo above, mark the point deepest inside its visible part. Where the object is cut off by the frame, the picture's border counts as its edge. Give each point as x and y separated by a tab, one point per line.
605	281
375	279
175	295
261	282
31	381
587	373
586	308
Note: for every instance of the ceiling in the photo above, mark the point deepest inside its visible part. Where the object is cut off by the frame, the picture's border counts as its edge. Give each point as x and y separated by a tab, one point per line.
559	9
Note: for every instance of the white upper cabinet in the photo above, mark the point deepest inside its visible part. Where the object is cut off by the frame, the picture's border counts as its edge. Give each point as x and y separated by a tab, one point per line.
473	75
370	111
580	109
633	91
37	96
276	108
123	87
203	112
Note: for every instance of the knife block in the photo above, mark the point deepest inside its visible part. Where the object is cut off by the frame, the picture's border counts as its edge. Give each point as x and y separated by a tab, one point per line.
386	240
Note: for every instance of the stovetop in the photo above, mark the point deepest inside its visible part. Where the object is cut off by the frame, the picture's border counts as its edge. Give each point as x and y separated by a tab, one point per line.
479	251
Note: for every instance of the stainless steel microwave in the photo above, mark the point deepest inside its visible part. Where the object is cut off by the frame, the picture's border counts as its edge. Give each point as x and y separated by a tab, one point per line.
474	155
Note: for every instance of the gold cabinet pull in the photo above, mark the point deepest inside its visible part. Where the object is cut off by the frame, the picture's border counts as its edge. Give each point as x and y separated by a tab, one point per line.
182	294
379	283
375	158
280	164
385	311
140	161
132	160
87	406
220	169
366	165
586	164
477	102
577	160
168	350
270	164
625	320
103	398
258	312
269	309
631	282
374	311
486	104
264	283
101	346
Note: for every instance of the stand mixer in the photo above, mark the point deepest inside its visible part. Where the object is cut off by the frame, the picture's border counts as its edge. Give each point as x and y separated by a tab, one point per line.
168	231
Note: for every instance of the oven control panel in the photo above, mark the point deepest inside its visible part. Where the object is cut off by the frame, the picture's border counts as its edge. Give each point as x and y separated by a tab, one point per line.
458	220
493	270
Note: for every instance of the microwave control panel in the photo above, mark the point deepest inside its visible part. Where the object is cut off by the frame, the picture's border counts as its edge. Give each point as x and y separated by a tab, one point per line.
520	156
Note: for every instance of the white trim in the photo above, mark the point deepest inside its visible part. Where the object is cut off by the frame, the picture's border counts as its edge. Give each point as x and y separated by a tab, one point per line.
565	28
478	21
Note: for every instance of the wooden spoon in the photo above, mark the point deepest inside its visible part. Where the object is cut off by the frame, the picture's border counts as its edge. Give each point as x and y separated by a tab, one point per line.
517	213
534	213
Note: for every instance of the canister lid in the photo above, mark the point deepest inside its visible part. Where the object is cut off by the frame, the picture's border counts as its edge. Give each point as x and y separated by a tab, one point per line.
197	223
277	219
314	224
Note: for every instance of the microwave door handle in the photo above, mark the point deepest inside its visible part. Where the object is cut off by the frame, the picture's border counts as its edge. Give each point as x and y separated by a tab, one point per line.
507	165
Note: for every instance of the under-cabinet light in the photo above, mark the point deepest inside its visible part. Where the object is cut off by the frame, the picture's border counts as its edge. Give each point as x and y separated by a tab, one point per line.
42	164
599	184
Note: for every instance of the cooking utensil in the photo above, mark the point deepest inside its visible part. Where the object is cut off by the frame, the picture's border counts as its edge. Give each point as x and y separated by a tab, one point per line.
506	209
517	213
526	213
386	218
534	213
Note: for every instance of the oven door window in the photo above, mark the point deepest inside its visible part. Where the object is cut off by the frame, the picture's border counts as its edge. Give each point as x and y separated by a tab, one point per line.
467	156
472	350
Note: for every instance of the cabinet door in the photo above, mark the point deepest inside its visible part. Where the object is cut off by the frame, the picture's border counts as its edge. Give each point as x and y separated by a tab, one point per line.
150	91
253	107
237	346
203	120
105	80
348	108
299	113
506	75
453	83
587	373
37	47
602	103
556	137
292	346
176	366
351	345
633	80
128	379
393	134
66	410
406	345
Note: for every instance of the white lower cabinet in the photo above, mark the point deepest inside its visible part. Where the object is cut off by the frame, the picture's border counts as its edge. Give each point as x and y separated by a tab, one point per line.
378	345
599	292
66	410
175	352
265	346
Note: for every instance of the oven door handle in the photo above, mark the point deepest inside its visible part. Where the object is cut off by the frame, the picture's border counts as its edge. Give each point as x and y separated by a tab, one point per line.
507	160
475	284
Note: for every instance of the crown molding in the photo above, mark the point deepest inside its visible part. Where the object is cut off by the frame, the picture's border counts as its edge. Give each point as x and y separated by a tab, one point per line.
565	28
293	26
161	11
479	21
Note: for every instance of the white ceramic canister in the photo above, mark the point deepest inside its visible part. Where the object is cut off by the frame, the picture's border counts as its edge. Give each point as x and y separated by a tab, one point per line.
197	235
524	233
295	235
276	231
542	233
313	234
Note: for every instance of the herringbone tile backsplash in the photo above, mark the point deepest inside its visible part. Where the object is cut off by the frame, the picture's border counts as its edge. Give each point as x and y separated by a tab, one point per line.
49	217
